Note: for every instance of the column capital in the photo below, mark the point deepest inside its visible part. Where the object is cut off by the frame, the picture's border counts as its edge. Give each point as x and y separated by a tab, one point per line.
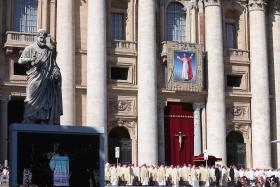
257	5
193	6
198	105
274	7
200	6
212	3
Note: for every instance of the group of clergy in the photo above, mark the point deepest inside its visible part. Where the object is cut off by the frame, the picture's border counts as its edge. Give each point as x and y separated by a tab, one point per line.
162	175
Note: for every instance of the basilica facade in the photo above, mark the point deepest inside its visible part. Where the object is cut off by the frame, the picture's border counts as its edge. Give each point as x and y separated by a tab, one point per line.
167	79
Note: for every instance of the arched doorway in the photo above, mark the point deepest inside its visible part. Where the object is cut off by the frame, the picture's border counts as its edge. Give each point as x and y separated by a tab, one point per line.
236	149
119	137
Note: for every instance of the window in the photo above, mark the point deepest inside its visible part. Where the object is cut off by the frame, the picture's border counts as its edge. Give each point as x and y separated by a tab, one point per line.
25	16
19	69
234	80
117	26
230	35
175	22
119	73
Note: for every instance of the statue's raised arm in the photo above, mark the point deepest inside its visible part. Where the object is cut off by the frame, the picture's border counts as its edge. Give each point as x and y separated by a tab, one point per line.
43	103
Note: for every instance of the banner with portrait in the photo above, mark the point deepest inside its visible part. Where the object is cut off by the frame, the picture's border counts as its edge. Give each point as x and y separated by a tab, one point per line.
184	67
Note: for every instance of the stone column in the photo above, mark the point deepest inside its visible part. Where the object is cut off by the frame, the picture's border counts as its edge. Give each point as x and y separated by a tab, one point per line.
203	128
216	117
96	65
259	86
147	83
201	23
275	22
4	129
66	58
197	128
193	23
45	11
161	136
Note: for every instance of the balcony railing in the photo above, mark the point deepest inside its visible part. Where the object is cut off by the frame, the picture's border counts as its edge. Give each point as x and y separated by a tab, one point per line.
19	39
122	46
237	55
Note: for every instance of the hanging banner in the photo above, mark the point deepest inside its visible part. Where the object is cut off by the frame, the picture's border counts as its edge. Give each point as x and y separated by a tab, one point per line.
184	66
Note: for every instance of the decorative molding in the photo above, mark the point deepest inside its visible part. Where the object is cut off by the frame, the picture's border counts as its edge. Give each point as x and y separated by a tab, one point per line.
130	125
124	123
212	3
244	129
257	5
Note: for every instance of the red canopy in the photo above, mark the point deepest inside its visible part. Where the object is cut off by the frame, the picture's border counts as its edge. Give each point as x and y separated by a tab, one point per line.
199	160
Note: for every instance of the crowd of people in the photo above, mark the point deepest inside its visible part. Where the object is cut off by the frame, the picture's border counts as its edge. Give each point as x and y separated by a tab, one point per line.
4	174
189	175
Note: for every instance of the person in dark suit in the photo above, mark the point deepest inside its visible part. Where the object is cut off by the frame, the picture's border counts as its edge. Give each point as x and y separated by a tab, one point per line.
231	175
217	175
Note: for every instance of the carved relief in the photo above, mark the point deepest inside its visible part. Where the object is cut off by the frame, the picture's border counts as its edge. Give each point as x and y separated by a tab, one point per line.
123	106
256	5
238	113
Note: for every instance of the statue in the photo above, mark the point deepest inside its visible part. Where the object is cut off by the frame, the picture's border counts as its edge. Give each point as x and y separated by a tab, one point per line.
180	136
43	102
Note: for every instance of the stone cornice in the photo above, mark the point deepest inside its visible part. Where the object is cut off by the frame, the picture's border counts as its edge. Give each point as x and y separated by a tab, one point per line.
257	5
212	3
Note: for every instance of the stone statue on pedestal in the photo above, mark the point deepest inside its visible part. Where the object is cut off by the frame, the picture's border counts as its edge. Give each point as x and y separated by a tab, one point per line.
43	102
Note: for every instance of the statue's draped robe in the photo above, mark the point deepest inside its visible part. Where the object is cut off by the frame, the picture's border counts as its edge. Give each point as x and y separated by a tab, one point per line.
43	101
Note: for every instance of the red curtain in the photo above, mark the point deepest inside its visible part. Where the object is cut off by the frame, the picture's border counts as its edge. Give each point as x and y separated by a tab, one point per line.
179	118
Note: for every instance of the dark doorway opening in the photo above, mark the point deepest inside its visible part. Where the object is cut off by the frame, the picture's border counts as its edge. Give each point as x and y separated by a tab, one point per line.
15	110
119	137
236	149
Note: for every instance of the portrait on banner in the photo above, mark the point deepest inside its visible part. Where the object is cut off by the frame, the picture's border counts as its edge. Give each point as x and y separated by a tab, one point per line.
184	66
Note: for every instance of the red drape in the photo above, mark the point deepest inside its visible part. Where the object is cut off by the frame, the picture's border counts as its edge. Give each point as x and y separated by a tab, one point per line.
179	118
